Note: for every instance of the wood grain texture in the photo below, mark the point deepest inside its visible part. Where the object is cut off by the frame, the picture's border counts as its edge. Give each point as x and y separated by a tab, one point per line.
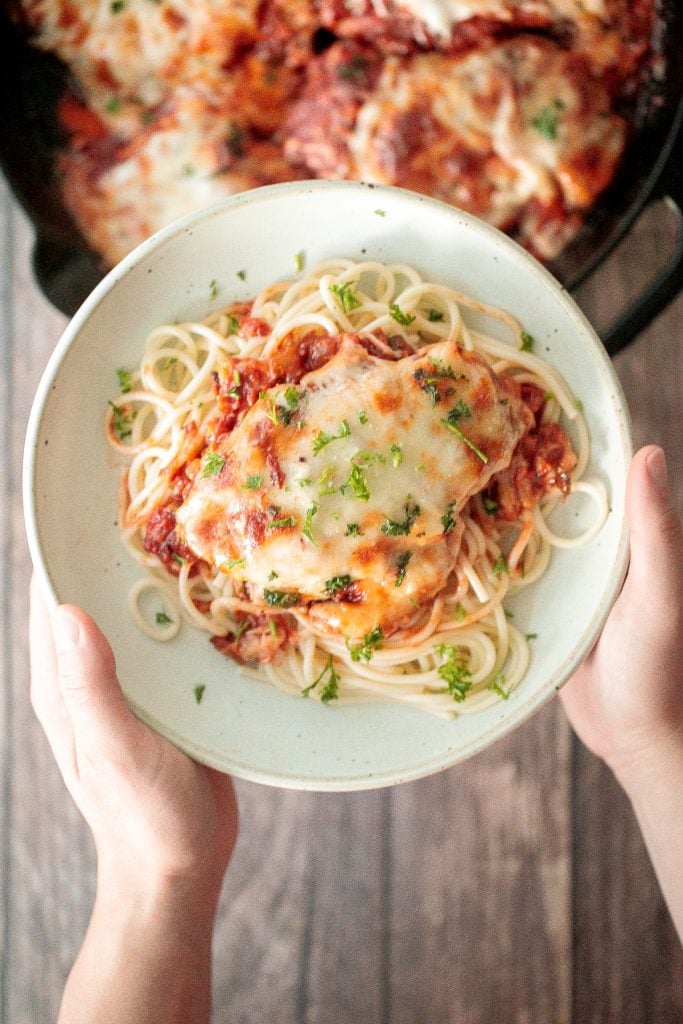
512	888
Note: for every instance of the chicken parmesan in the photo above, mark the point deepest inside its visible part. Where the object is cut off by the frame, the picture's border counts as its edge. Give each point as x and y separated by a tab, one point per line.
341	482
518	111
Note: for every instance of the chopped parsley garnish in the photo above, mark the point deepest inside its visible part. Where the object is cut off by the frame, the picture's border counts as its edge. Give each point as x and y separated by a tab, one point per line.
162	619
242	274
272	628
380	213
549	395
281	598
527	342
353	530
357	484
213	289
213	463
579	404
299	261
122	421
321	440
113	105
353	70
532	636
331	689
234	563
364	458
124	378
292	397
280	524
496	686
429	380
399	316
305	481
454	671
236	390
390	528
500	566
178	559
252	483
346	295
462	411
199	692
337	583
233	324
401	566
490	506
547	120
272	575
362	416
435	316
370	643
116	6
448	520
307	528
396	455
460	612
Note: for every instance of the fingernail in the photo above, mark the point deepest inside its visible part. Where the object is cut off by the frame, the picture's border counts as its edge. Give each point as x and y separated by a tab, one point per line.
65	630
656	467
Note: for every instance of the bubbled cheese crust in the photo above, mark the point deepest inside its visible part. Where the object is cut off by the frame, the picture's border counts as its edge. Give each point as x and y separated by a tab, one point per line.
382	493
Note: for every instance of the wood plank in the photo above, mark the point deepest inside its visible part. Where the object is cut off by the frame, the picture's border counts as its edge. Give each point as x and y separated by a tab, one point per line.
480	886
628	960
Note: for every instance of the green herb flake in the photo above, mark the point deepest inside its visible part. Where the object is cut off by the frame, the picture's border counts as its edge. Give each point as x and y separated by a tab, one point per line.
307	528
346	295
399	316
272	575
213	289
178	559
362	416
380	213
547	120
321	440
353	70
116	6
252	483
281	598
532	636
281	524
454	671
337	583
242	274
549	395
490	506
353	530
234	563
331	689
396	455
113	106
391	528
402	566
299	261
500	566
460	612
448	519
462	411
435	316
213	463
273	628
162	619
496	685
357	483
370	643
124	378
528	342
122	421
199	692
579	404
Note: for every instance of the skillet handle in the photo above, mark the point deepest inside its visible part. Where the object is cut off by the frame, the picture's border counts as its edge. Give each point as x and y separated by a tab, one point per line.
669	281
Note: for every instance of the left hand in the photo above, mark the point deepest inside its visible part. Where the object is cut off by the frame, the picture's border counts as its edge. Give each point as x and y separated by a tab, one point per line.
156	816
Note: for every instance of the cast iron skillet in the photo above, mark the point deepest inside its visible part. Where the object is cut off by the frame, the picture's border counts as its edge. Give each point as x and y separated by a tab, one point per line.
66	270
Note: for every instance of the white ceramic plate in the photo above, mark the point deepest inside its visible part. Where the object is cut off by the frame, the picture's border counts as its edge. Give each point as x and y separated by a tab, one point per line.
244	726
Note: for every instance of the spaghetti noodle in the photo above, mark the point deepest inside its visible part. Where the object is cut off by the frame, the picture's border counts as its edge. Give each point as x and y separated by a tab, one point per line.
431	637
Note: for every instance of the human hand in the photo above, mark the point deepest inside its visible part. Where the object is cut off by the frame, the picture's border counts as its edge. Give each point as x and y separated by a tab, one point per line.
157	817
626	700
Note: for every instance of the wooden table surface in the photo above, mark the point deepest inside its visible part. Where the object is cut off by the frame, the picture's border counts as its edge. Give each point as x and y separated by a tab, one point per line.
512	888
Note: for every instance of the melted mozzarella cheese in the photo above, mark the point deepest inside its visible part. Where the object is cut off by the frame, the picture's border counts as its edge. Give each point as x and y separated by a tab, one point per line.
336	497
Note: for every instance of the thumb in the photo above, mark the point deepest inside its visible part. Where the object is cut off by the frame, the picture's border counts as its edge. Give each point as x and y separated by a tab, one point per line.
87	680
656	537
